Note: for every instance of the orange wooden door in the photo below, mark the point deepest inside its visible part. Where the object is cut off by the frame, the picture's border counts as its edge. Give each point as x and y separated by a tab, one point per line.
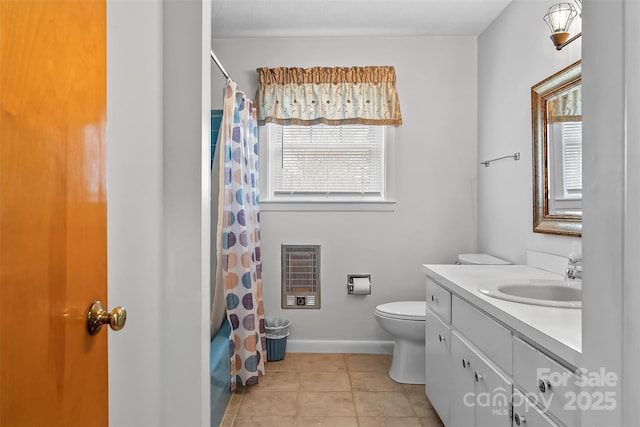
53	257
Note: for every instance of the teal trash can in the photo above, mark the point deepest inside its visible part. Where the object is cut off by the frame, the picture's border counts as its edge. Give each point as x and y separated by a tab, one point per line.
276	331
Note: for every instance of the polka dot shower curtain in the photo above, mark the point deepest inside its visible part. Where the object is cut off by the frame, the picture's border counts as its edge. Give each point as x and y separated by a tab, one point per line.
238	249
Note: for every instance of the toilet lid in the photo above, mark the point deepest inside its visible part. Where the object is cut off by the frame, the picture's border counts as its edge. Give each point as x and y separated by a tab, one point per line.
404	310
480	259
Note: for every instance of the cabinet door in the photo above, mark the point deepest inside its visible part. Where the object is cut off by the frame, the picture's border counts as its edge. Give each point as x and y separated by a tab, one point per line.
550	385
525	413
437	372
493	395
462	383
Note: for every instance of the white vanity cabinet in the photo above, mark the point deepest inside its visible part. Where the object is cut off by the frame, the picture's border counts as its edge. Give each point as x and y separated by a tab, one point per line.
437	368
464	387
482	372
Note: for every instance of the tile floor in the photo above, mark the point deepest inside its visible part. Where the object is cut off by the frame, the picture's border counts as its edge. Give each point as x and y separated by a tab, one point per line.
337	390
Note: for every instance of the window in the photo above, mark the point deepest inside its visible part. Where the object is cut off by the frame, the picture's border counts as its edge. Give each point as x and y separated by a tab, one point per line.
322	163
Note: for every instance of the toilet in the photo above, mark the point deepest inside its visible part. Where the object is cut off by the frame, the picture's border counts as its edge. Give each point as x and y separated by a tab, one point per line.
480	259
404	320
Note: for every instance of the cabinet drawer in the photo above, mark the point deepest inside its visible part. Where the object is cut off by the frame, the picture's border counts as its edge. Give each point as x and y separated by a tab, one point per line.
491	338
551	386
525	414
439	300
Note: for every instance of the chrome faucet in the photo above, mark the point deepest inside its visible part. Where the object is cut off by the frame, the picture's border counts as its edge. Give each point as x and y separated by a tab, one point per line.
574	269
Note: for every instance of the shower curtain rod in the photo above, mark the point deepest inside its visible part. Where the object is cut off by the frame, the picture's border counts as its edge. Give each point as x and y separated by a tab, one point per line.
217	61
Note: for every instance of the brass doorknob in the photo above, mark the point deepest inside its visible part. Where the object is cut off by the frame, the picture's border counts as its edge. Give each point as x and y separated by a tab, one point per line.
98	316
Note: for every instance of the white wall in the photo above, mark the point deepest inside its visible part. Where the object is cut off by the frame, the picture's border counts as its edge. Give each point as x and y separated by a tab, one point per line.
435	156
611	239
158	86
631	233
186	101
514	53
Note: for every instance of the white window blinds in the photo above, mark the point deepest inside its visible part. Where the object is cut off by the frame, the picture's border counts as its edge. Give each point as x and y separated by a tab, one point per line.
327	160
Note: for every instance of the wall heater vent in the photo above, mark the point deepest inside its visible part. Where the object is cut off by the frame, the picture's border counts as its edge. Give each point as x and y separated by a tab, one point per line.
301	276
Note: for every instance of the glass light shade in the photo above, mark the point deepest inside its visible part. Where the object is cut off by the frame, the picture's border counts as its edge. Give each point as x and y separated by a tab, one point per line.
559	17
578	7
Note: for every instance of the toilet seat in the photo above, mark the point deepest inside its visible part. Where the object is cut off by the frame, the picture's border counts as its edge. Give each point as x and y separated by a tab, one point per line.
403	310
480	259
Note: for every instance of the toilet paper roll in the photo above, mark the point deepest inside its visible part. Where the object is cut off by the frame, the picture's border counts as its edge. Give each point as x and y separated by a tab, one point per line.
361	286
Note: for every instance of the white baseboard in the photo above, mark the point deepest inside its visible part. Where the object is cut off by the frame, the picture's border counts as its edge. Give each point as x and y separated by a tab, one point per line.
339	346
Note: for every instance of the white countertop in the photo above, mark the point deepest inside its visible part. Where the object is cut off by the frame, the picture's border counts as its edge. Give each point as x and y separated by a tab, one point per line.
559	330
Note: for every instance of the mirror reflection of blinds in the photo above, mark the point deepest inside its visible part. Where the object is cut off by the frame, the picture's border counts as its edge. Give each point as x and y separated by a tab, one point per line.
323	159
572	154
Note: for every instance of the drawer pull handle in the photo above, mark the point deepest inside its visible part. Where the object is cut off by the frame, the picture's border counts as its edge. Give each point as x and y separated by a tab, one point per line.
441	338
478	376
543	385
519	419
434	299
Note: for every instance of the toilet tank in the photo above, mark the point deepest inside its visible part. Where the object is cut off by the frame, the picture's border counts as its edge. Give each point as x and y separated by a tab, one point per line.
480	259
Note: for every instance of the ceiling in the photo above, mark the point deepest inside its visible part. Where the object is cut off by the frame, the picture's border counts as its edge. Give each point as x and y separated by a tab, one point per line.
352	18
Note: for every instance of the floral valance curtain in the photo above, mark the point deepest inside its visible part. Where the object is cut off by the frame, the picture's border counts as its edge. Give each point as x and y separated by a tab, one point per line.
334	96
566	106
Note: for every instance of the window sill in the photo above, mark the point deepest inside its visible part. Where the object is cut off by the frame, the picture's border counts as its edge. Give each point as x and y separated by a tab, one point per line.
328	206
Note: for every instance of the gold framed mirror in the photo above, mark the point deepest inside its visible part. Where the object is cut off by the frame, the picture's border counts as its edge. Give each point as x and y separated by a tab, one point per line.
556	106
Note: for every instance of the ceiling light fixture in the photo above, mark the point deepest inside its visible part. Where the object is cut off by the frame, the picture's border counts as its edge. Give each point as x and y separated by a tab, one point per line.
559	19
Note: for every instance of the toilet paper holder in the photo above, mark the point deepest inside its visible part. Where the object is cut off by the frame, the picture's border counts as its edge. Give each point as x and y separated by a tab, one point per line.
350	285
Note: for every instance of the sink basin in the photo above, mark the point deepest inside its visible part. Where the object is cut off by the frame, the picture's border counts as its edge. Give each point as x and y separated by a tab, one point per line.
550	293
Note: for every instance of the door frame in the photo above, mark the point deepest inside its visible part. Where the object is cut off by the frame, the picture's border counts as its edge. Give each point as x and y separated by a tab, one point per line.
158	181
